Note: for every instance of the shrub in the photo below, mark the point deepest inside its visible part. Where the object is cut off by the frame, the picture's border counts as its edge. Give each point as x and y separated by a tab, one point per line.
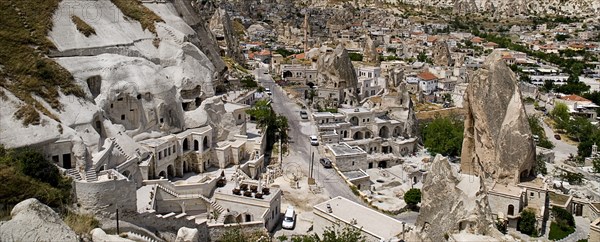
527	223
412	197
82	224
138	12
558	232
564	215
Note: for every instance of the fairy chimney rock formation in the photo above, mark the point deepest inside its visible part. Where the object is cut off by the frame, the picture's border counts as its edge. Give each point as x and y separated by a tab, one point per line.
463	207
441	54
497	143
370	51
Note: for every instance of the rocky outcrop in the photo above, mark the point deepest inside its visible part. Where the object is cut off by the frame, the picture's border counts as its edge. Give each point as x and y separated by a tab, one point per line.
441	54
370	51
187	235
335	71
497	143
220	25
98	235
463	207
31	220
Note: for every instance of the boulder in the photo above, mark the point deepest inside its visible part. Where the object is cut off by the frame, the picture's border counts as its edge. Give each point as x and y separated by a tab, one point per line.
31	220
441	54
98	235
498	143
463	207
187	235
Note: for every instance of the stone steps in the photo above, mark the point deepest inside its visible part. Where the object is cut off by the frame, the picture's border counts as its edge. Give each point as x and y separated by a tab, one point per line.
90	175
74	173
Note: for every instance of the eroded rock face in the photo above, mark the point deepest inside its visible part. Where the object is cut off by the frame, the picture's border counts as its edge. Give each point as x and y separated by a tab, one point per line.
33	221
335	71
370	51
441	54
187	235
220	25
497	143
462	207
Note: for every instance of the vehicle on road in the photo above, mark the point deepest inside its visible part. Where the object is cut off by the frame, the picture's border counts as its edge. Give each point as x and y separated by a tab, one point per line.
289	219
557	136
268	91
303	114
313	140
326	162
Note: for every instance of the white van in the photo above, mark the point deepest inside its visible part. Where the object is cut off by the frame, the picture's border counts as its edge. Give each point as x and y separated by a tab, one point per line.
289	219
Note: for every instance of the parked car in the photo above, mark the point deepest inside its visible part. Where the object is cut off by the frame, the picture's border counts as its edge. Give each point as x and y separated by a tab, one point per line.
313	140
289	219
268	91
303	114
557	136
326	162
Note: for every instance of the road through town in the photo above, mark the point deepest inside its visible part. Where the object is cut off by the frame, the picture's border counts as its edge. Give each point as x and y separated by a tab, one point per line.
300	148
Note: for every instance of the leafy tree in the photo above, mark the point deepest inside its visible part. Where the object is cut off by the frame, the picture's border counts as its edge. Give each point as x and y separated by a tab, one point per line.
563	217
267	119
537	129
334	234
572	178
412	197
596	164
355	56
562	37
580	128
560	114
527	222
540	166
444	135
422	57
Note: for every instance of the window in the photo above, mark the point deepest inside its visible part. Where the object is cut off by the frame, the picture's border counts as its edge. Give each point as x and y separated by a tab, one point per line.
511	210
160	155
122	116
531	194
352	163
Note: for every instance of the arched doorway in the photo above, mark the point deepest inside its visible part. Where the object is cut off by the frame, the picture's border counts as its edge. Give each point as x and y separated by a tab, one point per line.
185	167
162	174
382	164
368	135
287	74
186	145
310	84
358	135
354	121
384	132
170	172
511	209
397	131
126	174
205	144
196	145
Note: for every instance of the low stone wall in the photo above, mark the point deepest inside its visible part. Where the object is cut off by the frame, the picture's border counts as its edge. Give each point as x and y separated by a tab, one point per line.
152	223
216	231
104	197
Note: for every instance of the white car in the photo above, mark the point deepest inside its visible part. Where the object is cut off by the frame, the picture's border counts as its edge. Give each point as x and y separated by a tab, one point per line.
289	219
268	91
313	140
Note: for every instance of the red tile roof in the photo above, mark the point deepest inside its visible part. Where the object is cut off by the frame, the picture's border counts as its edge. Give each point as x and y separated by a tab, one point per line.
427	76
575	98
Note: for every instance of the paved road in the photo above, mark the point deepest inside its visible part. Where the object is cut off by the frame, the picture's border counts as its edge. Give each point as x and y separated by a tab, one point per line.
300	148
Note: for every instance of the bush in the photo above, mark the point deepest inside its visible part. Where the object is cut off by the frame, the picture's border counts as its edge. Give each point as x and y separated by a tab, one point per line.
82	26
355	56
25	174
527	223
137	11
82	224
412	197
443	135
563	214
558	232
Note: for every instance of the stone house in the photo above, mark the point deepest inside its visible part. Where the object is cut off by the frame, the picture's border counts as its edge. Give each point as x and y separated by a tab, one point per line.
302	74
428	82
348	158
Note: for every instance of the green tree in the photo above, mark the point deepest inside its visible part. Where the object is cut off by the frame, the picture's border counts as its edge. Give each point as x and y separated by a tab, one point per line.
560	114
422	57
537	129
355	56
443	135
527	223
412	197
333	234
596	164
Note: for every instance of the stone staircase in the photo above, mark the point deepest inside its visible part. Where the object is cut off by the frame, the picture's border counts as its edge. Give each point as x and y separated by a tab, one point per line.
91	175
119	148
212	203
140	238
74	173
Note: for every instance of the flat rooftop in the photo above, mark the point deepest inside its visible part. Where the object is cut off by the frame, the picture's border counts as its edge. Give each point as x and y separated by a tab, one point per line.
345	149
355	174
368	219
353	110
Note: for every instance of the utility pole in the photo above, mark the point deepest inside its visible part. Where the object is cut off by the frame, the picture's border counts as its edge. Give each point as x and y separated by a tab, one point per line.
118	232
280	153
